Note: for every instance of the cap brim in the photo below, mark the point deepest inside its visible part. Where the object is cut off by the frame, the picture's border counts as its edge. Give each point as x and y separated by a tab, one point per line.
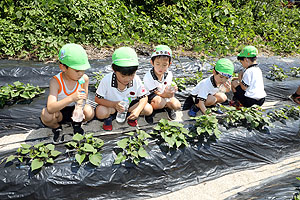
81	67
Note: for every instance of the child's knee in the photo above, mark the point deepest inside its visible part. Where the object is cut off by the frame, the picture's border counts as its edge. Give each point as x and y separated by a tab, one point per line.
147	109
102	112
158	103
89	112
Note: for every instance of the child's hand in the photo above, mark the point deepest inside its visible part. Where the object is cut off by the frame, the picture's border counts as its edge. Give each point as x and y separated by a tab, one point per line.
133	115
80	94
168	93
119	107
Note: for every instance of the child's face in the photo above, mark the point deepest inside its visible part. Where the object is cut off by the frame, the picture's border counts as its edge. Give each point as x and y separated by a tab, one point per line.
220	79
124	79
244	63
73	74
160	64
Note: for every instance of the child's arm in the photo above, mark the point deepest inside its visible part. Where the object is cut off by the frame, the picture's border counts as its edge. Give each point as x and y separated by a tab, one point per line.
202	106
109	104
136	112
166	94
53	105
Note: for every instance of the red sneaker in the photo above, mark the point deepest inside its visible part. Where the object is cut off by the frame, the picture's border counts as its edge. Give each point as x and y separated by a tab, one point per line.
107	125
236	104
132	122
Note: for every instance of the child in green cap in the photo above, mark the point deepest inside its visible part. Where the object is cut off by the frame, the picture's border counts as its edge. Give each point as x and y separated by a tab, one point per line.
207	92
65	89
248	88
122	86
158	81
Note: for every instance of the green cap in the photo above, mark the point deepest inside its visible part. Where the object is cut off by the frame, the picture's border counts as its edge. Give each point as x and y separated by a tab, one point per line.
162	50
248	51
125	57
74	56
225	67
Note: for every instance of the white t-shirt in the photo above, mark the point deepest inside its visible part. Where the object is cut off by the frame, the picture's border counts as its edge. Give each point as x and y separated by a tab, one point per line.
108	89
204	88
253	79
152	83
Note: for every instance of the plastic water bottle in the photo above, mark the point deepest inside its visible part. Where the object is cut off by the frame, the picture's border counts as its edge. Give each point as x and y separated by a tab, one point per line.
121	116
222	88
172	87
78	115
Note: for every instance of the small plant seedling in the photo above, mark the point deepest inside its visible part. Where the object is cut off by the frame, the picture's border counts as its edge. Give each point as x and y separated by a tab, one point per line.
86	147
18	92
206	125
295	71
248	117
98	76
173	133
38	155
182	82
296	196
276	74
133	147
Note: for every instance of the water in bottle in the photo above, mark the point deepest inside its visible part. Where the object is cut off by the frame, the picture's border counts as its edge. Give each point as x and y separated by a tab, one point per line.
121	116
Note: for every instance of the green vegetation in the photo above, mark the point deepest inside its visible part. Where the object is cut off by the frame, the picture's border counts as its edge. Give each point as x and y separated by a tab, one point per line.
38	155
133	147
173	133
38	28
87	147
18	92
276	74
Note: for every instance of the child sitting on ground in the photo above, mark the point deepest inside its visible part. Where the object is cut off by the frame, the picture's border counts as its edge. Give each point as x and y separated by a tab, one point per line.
206	93
158	82
296	96
248	89
122	84
66	88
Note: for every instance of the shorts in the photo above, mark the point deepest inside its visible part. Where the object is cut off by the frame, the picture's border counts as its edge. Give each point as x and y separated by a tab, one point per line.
151	96
246	101
191	100
67	113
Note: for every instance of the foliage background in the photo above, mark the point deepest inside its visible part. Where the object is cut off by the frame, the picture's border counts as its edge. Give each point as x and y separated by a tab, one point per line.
36	29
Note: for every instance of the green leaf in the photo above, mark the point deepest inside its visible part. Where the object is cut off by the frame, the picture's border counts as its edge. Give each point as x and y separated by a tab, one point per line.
39	145
10	158
78	137
178	143
88	148
36	164
42	155
50	147
25	151
120	158
71	144
80	158
55	153
50	160
123	143
142	152
95	159
26	146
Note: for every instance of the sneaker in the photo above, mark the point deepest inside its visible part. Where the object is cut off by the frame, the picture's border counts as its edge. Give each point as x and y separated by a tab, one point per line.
193	111
236	104
149	119
171	113
295	99
107	125
132	122
56	132
77	128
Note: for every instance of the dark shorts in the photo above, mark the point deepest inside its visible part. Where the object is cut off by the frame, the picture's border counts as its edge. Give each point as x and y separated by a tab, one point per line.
191	100
246	101
67	113
151	96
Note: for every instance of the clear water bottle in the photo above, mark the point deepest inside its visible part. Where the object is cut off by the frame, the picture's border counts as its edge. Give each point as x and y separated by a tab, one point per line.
121	116
78	115
172	87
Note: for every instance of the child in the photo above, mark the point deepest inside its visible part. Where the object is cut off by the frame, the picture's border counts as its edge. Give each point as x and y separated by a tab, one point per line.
65	90
158	82
121	84
296	96
206	93
249	88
